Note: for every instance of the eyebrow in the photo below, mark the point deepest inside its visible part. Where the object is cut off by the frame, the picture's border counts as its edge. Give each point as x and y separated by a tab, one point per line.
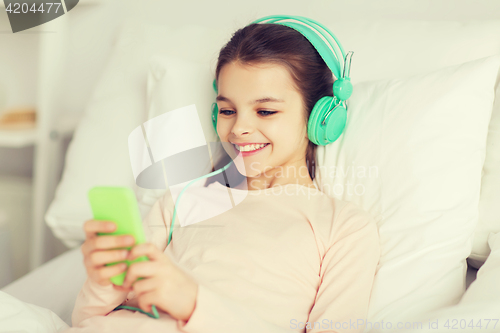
260	100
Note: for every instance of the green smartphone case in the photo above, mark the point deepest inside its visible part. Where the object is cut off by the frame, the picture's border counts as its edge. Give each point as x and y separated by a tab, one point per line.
118	204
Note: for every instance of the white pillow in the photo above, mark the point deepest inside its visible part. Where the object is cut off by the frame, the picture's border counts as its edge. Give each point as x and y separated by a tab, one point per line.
489	212
19	316
486	286
411	155
424	46
479	307
173	83
98	153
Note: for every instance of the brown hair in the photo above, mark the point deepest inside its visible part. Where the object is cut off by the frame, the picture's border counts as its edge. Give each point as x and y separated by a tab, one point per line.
274	43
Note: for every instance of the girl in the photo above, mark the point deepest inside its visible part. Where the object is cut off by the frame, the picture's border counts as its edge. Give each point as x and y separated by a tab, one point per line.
287	258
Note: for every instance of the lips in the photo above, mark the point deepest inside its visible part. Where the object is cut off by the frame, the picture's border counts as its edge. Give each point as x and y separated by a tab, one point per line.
247	143
251	152
258	144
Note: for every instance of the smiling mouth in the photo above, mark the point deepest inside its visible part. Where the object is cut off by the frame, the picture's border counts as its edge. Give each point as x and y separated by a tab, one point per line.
238	147
249	152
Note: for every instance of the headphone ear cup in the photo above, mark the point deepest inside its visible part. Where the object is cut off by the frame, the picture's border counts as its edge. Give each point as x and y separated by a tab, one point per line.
215	109
215	112
323	135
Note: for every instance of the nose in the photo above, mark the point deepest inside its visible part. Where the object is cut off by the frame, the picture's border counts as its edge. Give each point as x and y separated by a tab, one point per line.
242	125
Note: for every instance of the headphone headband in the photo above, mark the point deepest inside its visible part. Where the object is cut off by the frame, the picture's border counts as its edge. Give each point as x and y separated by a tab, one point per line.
320	37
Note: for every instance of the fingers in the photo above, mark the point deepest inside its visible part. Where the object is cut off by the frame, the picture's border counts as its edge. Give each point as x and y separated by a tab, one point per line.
106	242
96	251
145	302
136	270
100	258
144	286
102	275
105	249
92	227
144	269
146	249
120	288
112	241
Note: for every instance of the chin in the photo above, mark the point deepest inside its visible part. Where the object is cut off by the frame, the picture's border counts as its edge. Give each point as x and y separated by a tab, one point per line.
257	171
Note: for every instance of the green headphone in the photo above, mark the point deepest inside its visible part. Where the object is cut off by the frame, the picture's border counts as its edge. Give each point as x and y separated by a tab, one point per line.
325	124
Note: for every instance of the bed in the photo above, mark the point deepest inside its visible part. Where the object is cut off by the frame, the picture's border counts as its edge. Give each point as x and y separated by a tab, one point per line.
425	115
63	277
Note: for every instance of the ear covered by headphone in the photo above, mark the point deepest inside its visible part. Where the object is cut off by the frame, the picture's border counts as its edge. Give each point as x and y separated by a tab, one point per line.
326	123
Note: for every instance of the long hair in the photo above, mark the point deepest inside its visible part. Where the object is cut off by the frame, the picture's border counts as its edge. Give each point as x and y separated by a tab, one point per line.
274	43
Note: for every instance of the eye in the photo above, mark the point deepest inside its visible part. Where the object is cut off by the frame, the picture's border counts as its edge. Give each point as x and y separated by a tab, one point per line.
267	113
264	113
223	112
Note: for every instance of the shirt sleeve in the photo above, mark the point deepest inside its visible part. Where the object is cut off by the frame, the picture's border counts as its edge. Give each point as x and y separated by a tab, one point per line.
96	300
348	271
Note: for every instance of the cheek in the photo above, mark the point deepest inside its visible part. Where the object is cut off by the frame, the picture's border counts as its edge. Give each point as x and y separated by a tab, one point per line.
289	138
223	129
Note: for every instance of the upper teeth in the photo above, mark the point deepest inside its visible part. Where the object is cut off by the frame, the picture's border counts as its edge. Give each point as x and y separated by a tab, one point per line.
250	147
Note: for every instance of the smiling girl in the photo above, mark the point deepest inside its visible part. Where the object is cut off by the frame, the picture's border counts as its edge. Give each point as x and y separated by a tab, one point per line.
269	77
260	107
294	260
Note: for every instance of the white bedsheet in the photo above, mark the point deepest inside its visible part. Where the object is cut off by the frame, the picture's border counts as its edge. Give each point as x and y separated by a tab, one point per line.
53	286
18	316
477	311
43	300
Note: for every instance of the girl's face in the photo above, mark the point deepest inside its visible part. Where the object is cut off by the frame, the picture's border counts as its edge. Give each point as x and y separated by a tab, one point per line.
257	105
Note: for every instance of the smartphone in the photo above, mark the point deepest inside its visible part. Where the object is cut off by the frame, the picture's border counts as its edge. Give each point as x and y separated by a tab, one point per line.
118	204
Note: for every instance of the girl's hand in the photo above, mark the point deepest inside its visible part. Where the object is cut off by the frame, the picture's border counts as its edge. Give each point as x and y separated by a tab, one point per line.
164	284
100	250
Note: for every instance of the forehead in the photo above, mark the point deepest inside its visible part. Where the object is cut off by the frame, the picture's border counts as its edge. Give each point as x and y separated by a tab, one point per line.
260	76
